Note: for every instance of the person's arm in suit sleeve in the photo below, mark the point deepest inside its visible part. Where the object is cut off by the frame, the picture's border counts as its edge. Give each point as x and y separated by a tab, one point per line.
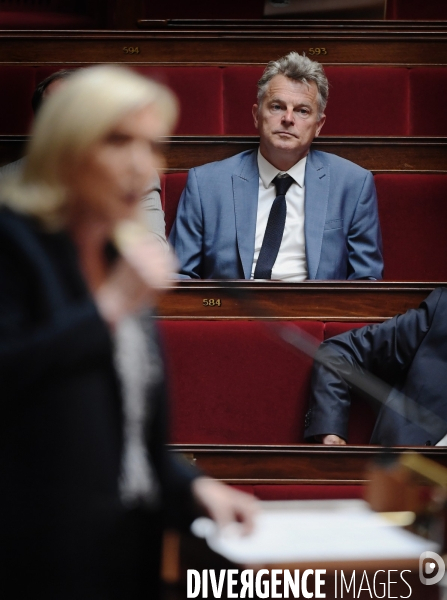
364	237
386	350
153	211
187	232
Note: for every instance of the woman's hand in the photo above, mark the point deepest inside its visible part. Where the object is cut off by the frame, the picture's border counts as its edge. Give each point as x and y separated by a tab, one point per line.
143	271
224	504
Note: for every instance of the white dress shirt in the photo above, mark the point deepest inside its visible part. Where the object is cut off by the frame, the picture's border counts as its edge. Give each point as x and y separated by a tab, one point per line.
290	264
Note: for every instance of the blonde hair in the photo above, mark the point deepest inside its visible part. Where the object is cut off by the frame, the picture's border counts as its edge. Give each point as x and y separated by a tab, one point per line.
83	111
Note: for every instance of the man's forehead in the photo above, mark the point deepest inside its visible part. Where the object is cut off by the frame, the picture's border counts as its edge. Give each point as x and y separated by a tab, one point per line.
280	86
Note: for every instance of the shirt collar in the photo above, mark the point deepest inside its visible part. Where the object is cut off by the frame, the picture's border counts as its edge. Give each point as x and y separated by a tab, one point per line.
267	172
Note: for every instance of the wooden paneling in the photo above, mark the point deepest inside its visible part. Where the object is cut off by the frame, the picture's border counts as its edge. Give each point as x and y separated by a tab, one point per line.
207	47
292	465
380	155
317	300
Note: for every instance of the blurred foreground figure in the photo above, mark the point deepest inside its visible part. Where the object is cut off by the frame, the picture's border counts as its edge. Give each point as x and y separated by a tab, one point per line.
151	201
86	482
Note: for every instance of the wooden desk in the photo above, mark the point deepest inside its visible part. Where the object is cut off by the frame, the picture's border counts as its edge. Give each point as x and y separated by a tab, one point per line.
377	154
310	300
304	464
295	25
193	46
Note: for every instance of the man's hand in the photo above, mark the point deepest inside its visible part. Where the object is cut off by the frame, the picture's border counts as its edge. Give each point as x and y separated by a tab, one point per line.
331	440
224	504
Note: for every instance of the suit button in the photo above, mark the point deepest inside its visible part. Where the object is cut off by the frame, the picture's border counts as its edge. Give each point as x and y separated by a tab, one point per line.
428	443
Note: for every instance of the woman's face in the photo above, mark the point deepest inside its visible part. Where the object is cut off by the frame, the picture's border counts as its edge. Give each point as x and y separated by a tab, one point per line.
108	183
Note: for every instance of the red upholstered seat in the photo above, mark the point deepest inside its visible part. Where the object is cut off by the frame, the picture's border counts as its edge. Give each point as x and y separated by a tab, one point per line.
17	85
367	101
239	95
172	188
199	90
233	383
416	9
357	98
413	215
427	114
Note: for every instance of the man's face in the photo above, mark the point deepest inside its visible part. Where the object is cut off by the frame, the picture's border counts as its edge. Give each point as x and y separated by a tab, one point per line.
287	120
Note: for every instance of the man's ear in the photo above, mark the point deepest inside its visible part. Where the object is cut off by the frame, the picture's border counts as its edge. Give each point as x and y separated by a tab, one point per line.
320	125
254	112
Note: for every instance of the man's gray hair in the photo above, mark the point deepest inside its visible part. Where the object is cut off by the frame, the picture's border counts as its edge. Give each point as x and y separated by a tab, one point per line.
298	68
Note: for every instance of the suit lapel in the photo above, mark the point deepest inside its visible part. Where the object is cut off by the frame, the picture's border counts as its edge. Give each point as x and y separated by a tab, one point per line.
316	200
245	196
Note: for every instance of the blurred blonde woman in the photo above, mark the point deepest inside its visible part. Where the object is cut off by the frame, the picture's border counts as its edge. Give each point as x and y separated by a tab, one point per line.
87	484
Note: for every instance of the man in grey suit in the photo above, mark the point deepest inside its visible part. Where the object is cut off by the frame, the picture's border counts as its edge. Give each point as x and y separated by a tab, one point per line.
282	211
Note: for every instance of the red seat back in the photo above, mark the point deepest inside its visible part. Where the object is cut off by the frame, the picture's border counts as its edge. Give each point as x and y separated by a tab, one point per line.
416	9
199	90
173	184
234	383
427	113
17	85
367	101
413	216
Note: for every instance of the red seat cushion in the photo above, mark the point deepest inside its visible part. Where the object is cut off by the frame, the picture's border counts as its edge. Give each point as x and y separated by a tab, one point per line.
171	192
413	215
427	114
235	383
199	90
416	9
17	85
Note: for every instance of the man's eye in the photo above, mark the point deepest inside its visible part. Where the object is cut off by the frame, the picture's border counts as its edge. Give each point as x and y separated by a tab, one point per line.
276	107
303	111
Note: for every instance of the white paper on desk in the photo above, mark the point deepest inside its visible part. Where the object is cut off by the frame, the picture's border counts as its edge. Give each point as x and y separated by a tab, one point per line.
317	531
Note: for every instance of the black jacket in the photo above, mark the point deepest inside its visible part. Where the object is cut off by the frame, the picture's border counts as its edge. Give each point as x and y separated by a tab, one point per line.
409	352
61	517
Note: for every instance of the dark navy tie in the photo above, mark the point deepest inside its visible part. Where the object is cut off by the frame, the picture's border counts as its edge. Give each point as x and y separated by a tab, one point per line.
274	230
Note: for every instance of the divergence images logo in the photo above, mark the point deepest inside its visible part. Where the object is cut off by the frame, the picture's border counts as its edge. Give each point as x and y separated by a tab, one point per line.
431	568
